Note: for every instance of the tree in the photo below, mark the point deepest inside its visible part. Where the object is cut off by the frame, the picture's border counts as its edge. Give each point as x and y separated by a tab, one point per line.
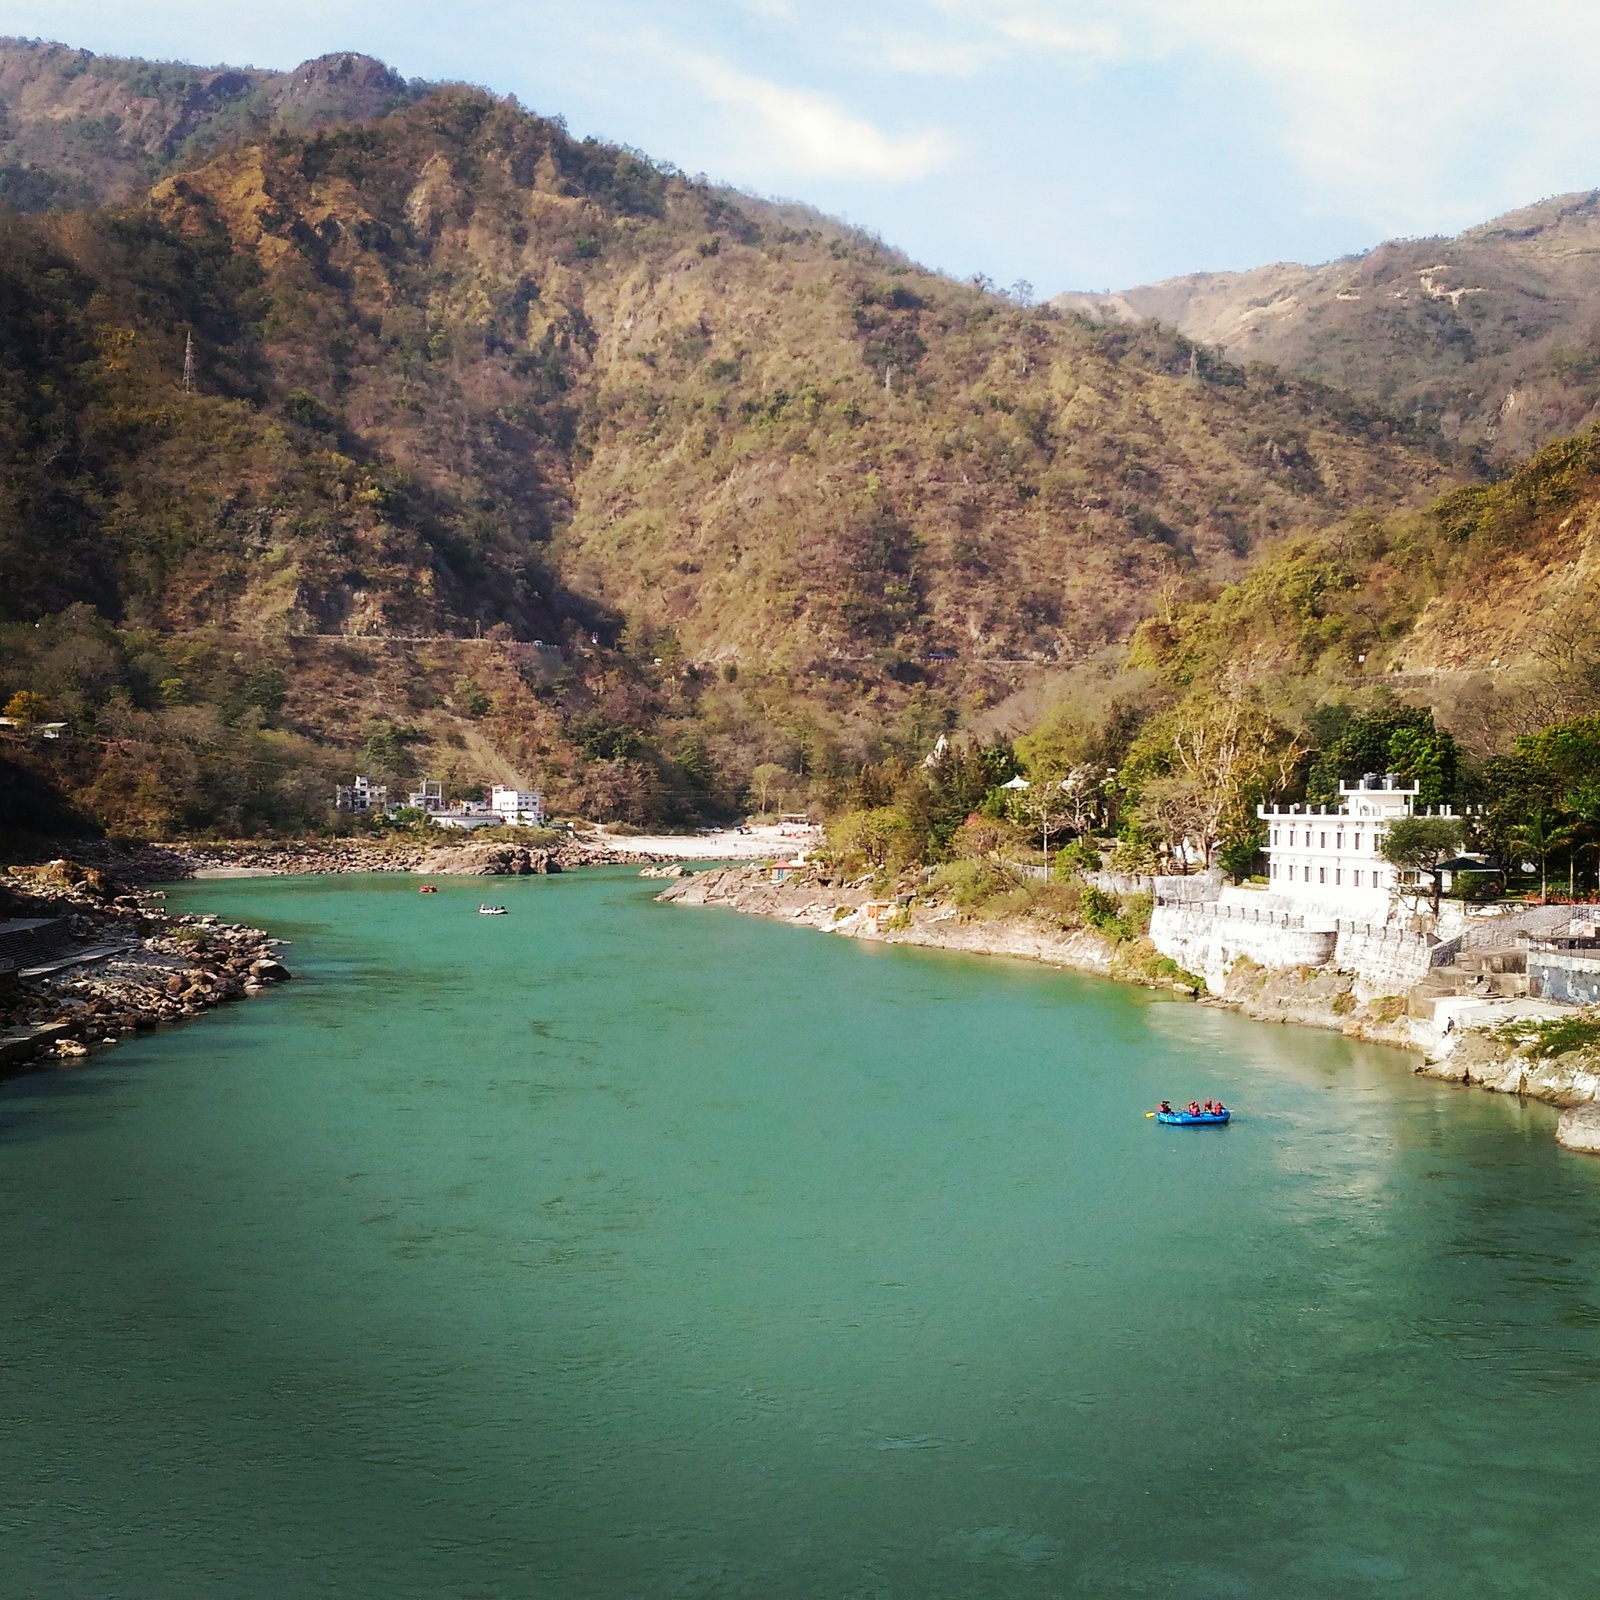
764	781
1200	771
25	708
1045	805
882	835
1390	738
1420	844
1582	804
1541	836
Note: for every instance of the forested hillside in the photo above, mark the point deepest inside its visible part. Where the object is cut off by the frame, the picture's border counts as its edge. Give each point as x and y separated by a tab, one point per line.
1454	646
80	129
780	498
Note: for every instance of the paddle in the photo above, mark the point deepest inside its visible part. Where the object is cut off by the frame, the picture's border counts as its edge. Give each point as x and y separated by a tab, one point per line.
1149	1113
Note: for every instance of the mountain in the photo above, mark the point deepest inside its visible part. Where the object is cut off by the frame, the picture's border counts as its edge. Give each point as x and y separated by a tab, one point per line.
80	129
1480	608
777	496
1493	336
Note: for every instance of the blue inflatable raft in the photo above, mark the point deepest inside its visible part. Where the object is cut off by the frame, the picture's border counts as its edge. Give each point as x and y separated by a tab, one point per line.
1194	1119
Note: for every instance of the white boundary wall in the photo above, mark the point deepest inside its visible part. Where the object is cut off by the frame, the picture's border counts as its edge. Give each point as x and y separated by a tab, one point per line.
1206	928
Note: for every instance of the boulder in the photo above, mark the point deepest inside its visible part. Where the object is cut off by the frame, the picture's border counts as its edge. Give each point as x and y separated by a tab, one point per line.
489	860
1579	1128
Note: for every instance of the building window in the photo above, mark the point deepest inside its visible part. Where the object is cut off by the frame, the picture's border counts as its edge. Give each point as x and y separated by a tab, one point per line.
1338	841
1291	838
1322	874
1322	841
1291	872
1338	876
1274	869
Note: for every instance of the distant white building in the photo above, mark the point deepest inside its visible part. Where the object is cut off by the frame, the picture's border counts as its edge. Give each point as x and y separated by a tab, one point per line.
362	796
1332	859
517	806
429	798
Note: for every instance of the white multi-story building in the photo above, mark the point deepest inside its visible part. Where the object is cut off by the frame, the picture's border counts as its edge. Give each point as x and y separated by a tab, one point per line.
1332	858
362	796
524	806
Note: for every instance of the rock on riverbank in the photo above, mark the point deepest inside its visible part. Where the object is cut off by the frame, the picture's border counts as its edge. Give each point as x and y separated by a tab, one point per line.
127	967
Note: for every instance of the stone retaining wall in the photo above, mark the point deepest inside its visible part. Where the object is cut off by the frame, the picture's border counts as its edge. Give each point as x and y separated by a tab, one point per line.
1571	977
1208	936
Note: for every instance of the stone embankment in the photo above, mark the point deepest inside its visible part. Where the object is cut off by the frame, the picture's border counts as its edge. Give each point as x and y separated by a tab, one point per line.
87	963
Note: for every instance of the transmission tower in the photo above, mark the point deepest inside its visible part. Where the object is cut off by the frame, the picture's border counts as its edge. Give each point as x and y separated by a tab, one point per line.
188	364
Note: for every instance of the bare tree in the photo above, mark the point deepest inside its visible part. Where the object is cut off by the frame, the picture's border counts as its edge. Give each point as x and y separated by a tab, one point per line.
1223	752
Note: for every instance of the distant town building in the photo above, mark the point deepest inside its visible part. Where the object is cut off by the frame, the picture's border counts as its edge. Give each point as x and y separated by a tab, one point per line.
362	796
517	806
36	730
429	798
1333	858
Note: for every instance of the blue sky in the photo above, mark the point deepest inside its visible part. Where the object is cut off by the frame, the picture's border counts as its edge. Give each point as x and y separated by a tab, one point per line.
1072	143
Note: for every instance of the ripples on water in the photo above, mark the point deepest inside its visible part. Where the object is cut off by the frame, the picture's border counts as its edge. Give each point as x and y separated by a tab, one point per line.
612	1250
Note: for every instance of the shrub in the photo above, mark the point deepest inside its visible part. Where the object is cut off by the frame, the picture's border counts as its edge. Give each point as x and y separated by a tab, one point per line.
1552	1037
1138	961
972	883
1079	856
1100	910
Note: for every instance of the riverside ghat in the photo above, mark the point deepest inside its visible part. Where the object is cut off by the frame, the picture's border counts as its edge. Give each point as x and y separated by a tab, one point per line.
1335	938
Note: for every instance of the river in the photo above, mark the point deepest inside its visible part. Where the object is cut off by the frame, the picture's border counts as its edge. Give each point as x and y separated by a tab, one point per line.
609	1249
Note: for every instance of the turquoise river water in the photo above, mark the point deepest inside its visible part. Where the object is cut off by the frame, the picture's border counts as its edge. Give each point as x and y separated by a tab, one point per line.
616	1250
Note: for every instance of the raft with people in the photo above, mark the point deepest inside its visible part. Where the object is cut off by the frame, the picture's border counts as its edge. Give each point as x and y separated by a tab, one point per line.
1195	1115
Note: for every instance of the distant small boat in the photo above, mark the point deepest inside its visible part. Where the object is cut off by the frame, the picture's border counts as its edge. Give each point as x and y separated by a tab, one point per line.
491	911
428	888
1193	1119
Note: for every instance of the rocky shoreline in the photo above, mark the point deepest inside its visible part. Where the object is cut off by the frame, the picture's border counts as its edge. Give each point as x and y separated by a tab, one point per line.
1306	997
121	964
169	862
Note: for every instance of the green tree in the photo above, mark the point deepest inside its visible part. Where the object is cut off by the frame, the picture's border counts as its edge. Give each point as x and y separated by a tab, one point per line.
1420	844
385	749
1198	773
469	697
1582	804
25	708
882	836
766	781
1390	738
1541	836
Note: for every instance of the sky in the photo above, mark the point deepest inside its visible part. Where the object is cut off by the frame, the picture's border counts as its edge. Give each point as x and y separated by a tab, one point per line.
1068	144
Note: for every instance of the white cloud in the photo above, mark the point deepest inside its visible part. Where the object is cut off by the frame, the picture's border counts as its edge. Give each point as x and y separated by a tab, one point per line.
1408	113
809	134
